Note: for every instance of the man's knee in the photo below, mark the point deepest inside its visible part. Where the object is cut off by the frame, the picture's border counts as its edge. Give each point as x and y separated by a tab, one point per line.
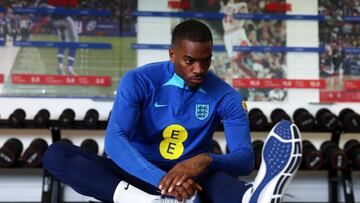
54	156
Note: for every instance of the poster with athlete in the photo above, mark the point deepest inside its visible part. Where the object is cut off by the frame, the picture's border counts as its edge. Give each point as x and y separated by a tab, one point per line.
66	48
232	31
340	62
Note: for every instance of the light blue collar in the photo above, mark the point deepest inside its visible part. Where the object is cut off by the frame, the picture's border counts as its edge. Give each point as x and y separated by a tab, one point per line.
180	83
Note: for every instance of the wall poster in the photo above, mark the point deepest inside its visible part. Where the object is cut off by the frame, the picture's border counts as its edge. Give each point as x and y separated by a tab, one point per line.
75	48
340	63
233	31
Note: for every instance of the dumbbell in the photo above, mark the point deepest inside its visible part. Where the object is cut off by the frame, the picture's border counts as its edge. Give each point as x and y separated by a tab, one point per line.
90	146
257	147
352	149
350	120
335	157
91	118
65	141
10	152
41	119
327	120
303	119
278	115
257	119
34	153
312	158
67	118
215	147
17	118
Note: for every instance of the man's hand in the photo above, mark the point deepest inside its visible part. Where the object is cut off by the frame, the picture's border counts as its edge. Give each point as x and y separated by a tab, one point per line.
178	181
180	186
184	191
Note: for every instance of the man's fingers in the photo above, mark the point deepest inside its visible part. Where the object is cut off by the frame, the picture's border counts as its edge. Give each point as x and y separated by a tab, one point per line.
175	194
178	196
173	183
168	183
185	194
180	186
198	187
164	183
189	188
182	179
195	185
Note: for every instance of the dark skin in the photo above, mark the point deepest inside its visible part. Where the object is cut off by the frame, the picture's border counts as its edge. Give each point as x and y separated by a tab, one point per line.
191	61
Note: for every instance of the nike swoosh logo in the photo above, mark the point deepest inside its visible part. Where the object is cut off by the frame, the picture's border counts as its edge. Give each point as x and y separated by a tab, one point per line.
126	187
160	105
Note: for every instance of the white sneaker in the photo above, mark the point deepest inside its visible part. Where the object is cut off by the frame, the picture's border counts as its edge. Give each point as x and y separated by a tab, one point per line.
71	71
125	193
166	199
281	157
60	69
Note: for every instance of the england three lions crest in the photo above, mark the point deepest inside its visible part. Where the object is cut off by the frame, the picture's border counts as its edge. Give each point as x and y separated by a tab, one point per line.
202	111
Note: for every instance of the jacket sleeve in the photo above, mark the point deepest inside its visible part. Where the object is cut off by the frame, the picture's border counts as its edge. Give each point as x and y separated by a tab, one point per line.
240	160
124	115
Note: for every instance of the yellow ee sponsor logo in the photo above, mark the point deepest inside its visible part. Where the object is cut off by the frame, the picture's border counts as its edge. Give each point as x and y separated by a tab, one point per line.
244	105
172	146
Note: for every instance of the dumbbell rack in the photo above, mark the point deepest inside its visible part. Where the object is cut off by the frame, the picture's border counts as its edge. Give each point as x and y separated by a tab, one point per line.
51	186
345	177
51	189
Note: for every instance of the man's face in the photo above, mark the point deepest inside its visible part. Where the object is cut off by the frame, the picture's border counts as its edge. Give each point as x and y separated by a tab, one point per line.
191	60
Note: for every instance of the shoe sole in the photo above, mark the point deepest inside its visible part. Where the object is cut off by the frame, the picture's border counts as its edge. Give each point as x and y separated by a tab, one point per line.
281	157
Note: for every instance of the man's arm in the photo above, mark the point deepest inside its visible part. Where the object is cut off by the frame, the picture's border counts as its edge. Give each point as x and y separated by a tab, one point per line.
240	160
125	112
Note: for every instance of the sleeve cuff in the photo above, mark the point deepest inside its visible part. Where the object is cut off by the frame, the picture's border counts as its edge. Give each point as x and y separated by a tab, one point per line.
217	162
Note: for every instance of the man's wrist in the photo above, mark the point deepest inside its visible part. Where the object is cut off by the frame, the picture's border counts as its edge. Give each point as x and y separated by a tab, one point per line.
216	161
207	160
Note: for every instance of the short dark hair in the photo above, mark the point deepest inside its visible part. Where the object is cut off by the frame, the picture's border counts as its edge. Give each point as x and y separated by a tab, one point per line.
191	30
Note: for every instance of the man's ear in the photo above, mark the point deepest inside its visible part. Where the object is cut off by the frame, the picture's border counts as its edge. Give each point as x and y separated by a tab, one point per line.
172	55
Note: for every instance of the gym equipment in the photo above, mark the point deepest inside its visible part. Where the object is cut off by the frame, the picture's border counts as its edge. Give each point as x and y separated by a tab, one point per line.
335	157
67	118
257	147
17	118
303	119
51	186
34	153
42	118
90	146
258	120
327	120
350	120
352	149
279	114
65	141
312	158
10	152
91	118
